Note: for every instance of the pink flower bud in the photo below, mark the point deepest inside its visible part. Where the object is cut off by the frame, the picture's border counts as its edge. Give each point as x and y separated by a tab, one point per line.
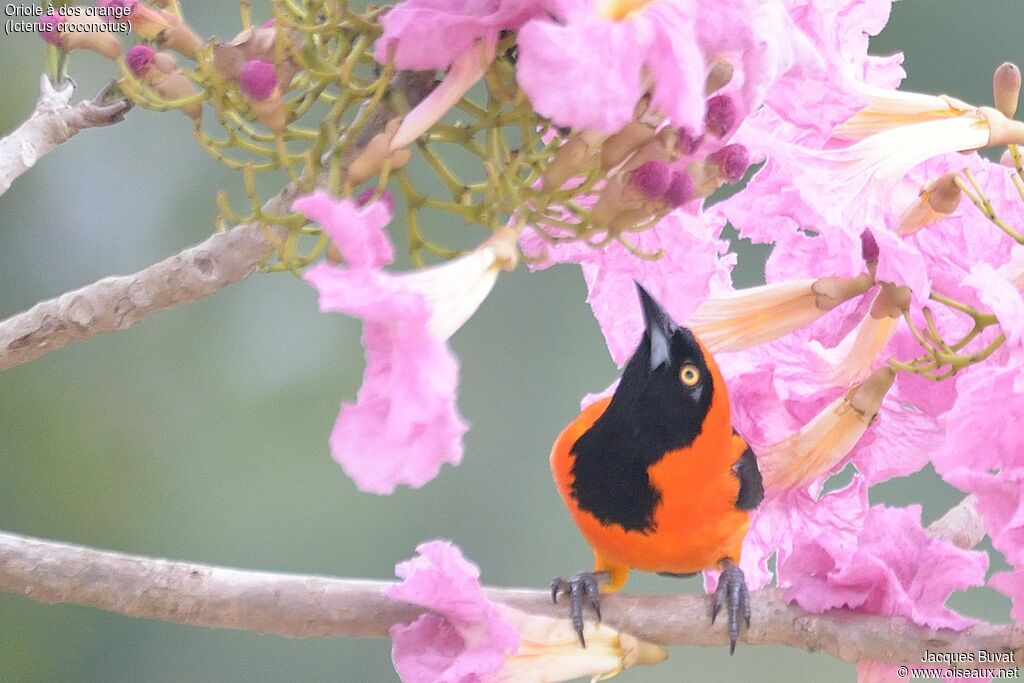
48	32
732	161
721	115
680	190
139	57
257	79
652	179
868	247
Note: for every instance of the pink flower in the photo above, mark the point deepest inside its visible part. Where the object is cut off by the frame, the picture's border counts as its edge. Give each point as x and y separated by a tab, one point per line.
469	639
1001	297
980	431
404	424
585	66
983	454
466	638
781	519
358	232
431	34
839	32
585	69
894	568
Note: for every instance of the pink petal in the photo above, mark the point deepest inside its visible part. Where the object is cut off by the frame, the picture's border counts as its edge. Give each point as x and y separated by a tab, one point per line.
430	34
781	521
467	638
426	650
358	232
901	263
894	568
405	423
575	85
1001	297
677	63
981	432
899	442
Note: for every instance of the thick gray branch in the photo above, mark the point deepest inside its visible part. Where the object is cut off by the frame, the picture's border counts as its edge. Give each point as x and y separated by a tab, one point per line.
54	120
115	303
307	606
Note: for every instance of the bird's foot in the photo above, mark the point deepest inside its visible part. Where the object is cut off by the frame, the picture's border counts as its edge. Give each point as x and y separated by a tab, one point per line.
732	591
580	586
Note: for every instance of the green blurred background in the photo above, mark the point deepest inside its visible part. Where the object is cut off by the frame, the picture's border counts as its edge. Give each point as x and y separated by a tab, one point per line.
201	433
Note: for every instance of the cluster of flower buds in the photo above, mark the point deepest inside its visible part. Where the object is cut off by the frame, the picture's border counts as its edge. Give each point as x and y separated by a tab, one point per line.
651	166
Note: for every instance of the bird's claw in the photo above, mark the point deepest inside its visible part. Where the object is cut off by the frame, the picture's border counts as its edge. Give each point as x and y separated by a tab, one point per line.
732	591
580	586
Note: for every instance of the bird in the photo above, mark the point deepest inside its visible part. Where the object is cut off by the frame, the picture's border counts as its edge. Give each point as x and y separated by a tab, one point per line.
656	478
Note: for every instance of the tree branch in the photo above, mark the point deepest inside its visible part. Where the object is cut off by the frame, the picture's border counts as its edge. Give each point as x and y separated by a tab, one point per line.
54	120
115	303
309	606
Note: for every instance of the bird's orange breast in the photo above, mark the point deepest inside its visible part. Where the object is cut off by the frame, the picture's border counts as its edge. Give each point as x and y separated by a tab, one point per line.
696	522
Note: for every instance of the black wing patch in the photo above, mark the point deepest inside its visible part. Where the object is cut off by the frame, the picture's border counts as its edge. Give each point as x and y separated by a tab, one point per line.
650	414
610	479
751	487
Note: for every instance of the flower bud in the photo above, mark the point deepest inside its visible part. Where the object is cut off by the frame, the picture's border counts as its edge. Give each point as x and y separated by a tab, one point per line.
732	161
719	76
868	247
575	157
160	71
1006	88
257	42
680	190
140	58
258	83
652	179
372	158
619	146
721	116
257	79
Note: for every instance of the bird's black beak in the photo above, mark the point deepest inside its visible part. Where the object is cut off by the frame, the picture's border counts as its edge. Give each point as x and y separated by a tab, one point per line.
659	327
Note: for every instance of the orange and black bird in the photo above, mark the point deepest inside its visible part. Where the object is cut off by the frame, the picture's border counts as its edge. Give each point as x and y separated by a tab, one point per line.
656	478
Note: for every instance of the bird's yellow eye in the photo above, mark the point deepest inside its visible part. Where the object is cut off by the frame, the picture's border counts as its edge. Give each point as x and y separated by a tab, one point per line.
689	375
